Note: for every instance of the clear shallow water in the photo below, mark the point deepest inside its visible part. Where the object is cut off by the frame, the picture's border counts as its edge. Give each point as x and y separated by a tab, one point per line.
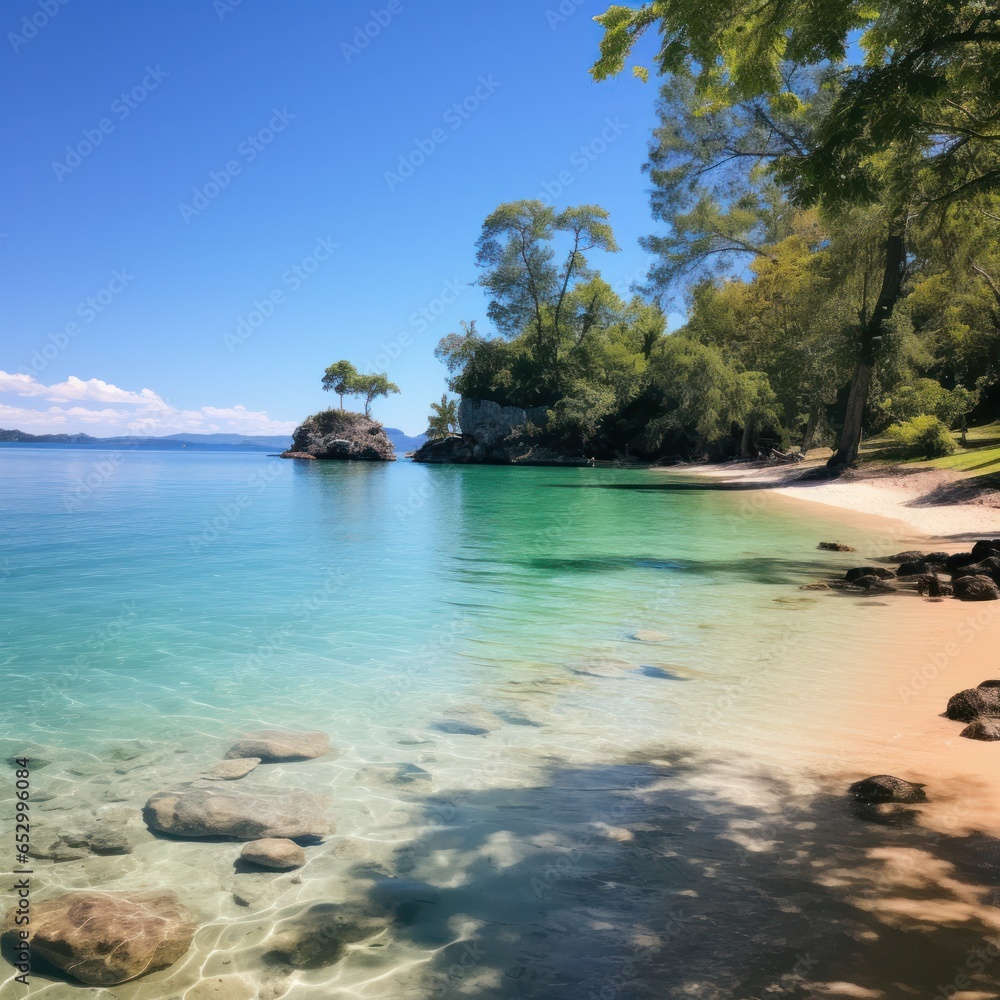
611	828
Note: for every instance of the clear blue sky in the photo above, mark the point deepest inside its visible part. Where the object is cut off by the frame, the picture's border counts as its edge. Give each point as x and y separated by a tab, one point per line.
300	126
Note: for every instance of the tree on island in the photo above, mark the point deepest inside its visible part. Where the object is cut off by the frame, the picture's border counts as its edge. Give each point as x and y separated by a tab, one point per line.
339	378
345	380
904	137
443	420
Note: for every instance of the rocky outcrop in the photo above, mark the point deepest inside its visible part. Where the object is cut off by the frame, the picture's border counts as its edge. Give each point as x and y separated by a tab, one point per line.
497	435
225	810
102	939
886	788
342	435
274	852
274	745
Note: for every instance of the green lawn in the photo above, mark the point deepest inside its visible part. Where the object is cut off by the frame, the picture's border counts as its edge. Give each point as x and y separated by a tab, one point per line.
981	456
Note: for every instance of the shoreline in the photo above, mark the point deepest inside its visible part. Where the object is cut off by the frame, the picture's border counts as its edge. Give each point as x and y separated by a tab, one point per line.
934	503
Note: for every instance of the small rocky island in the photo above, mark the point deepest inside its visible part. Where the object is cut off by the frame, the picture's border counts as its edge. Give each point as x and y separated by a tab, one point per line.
341	435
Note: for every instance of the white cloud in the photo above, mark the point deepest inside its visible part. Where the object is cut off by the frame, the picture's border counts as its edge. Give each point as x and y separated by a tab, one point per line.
120	411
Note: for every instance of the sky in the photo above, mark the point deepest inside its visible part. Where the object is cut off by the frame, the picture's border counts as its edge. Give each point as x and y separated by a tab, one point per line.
207	202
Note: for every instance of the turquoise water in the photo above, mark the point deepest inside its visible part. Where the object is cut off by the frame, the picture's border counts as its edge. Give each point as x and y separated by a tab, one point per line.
621	654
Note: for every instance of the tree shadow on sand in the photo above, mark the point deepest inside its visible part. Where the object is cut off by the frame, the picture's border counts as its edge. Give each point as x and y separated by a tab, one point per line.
673	875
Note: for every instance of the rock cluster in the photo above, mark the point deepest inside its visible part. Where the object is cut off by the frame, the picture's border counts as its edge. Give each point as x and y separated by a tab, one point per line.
975	575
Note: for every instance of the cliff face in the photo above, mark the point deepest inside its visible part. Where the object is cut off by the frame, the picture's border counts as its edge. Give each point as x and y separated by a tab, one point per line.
340	434
496	435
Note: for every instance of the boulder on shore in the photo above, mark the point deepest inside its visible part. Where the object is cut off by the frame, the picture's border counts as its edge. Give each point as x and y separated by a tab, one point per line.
276	745
103	939
887	788
340	434
976	588
227	810
971	703
982	728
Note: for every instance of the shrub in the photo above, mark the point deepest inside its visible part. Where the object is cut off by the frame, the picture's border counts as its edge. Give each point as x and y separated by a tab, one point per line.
923	436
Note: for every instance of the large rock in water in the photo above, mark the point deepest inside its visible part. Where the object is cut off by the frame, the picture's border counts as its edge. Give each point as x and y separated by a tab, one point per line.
274	745
103	939
340	434
225	810
887	788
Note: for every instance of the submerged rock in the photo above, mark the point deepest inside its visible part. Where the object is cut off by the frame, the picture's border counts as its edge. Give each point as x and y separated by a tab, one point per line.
873	583
983	728
860	572
887	788
108	830
975	588
317	937
274	745
391	774
836	547
274	852
649	635
340	434
232	770
103	939
969	704
243	814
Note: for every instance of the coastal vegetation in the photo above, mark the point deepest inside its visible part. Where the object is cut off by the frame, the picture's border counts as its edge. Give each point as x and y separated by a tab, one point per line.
345	380
824	184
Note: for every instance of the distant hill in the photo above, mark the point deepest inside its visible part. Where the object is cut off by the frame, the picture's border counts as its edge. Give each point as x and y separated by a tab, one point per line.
217	442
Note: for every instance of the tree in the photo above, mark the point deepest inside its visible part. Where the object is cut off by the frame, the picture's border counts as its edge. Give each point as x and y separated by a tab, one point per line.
443	420
339	378
912	128
529	290
372	387
345	380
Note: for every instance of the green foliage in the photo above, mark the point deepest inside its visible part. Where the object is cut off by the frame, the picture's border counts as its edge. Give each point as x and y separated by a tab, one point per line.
443	420
927	396
339	378
345	380
923	436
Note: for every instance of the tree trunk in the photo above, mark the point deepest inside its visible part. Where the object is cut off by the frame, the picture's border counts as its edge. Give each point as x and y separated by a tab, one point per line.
868	349
745	443
807	440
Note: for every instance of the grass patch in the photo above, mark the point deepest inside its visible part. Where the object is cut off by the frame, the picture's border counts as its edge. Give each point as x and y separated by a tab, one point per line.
980	456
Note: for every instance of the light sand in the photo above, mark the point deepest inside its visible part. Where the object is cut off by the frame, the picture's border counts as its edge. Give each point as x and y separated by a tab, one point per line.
947	505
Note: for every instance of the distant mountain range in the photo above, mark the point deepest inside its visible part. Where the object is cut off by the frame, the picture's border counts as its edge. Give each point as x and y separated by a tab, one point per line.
216	442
